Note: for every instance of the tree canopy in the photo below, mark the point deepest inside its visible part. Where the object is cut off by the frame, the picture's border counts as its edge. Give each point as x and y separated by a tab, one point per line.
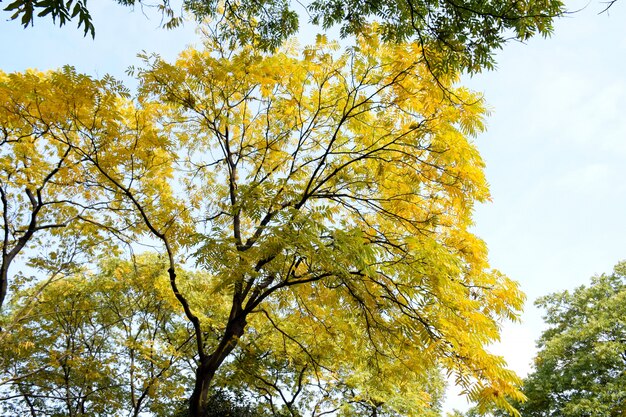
580	369
325	198
455	35
108	343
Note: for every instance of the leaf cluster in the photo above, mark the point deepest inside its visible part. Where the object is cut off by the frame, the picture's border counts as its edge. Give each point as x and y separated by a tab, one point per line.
455	35
61	10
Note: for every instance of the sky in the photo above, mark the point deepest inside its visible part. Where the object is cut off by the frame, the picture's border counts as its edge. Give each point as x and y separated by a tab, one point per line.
555	149
555	145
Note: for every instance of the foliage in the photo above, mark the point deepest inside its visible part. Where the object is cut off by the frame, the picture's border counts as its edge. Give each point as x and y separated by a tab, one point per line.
326	196
580	369
63	10
222	403
340	183
472	412
50	204
457	35
105	344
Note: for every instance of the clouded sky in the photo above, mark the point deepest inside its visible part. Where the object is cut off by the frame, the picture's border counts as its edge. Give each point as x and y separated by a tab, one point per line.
555	146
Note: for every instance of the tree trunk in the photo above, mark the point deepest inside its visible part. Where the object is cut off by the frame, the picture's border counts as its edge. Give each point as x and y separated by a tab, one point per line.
4	278
210	364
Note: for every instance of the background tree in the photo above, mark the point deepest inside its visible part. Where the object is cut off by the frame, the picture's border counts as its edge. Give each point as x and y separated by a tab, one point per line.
282	380
580	369
105	344
455	35
43	187
223	403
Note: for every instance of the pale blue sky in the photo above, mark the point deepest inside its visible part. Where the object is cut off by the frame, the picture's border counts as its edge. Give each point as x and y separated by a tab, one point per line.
555	149
555	146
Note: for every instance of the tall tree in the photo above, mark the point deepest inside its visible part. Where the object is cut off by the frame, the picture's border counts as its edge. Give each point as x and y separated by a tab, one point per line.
456	34
338	183
328	197
580	369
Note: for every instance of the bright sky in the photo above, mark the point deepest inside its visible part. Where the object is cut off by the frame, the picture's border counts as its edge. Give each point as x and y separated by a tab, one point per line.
555	150
555	146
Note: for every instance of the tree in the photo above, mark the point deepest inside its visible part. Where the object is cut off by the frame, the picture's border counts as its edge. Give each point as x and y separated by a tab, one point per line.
338	182
456	35
327	197
580	369
103	344
43	188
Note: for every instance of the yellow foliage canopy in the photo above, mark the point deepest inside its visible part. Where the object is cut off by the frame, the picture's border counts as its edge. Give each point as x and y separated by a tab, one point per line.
327	194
